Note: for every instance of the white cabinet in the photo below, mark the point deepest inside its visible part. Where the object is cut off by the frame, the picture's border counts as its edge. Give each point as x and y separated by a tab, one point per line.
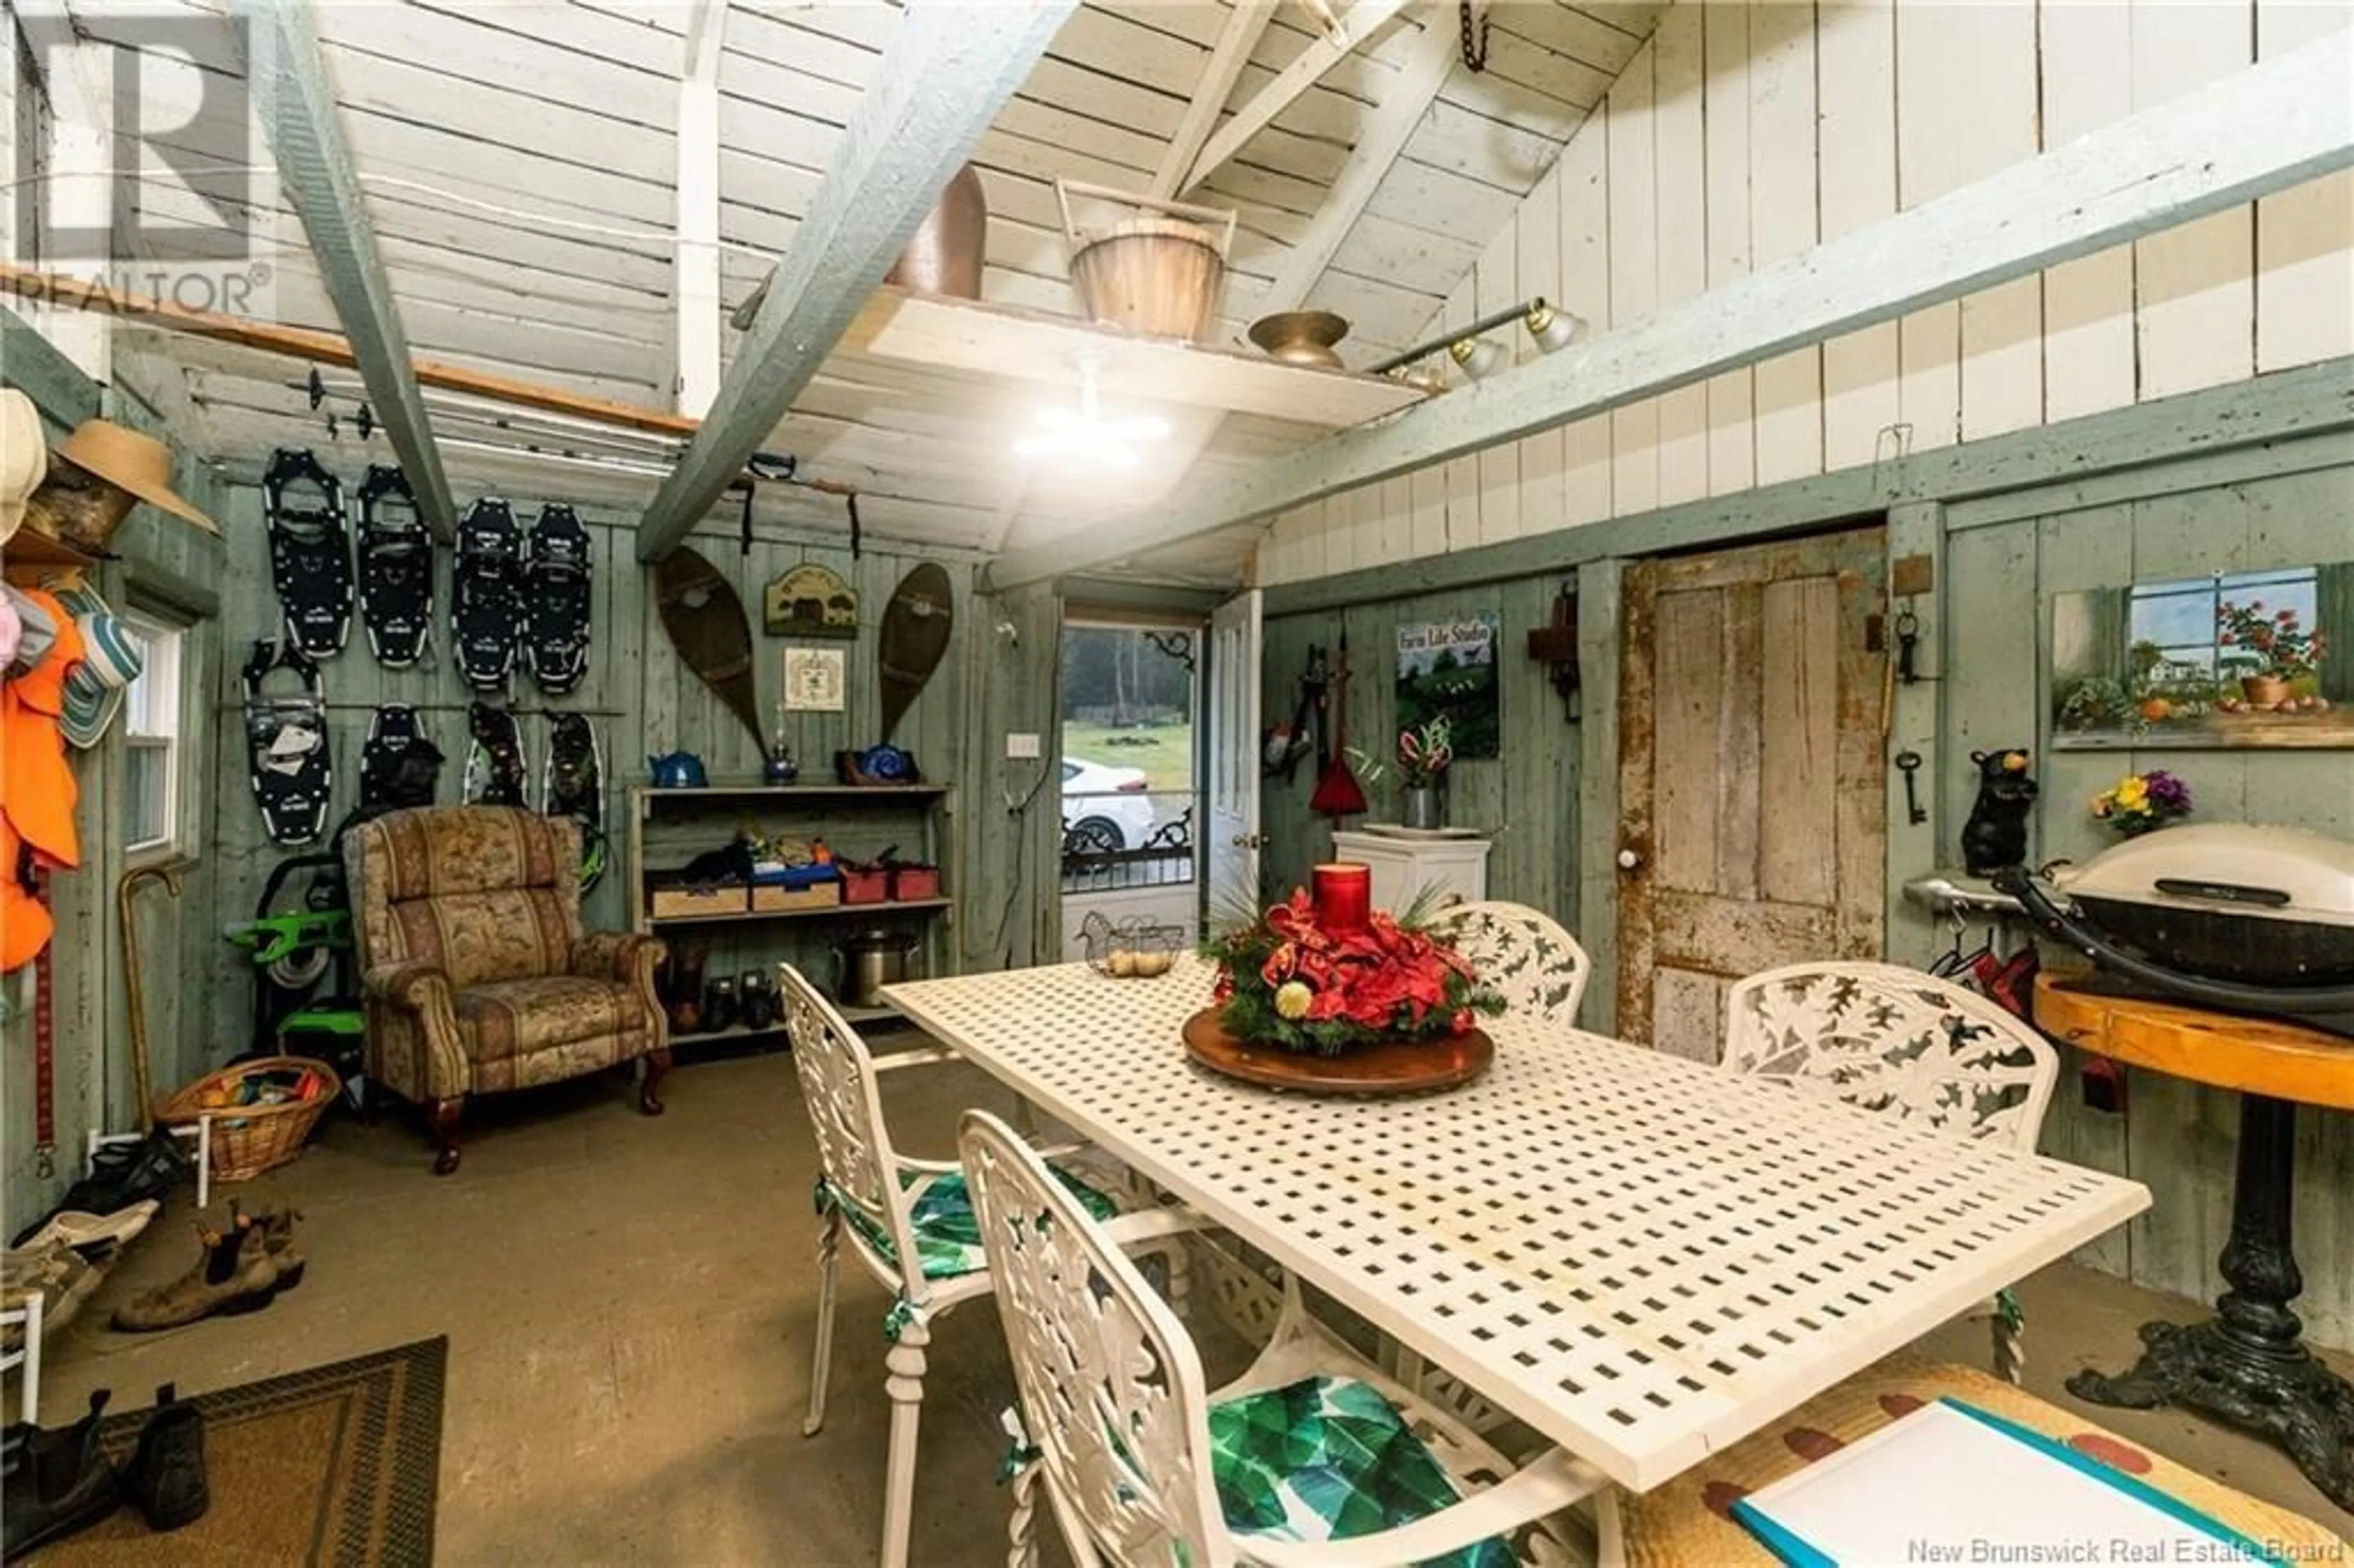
1403	867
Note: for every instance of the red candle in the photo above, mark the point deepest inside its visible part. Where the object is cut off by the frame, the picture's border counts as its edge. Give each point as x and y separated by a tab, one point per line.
1345	895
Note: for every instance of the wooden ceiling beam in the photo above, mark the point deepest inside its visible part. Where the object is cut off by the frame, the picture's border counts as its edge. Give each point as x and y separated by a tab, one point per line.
1363	20
1236	41
948	70
696	257
295	97
2277	124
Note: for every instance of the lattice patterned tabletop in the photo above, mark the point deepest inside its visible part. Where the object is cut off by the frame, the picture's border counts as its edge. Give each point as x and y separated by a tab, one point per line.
1643	1258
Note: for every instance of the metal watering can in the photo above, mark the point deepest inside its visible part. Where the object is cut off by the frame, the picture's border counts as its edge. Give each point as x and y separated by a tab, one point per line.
679	770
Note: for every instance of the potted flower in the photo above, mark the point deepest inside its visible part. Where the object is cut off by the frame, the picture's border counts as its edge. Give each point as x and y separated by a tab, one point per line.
1424	756
2141	801
2269	649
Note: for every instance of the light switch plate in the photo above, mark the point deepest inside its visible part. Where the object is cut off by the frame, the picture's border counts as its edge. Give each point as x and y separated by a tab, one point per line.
1022	747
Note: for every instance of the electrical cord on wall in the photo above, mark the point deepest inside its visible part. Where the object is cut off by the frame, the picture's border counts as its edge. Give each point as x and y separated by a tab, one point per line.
1018	807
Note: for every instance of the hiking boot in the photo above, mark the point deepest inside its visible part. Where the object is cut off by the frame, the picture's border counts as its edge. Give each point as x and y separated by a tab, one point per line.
56	1273
58	1482
123	1174
166	1474
234	1276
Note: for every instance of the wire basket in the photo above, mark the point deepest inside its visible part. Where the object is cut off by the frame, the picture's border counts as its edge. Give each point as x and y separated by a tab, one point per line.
259	1135
1134	948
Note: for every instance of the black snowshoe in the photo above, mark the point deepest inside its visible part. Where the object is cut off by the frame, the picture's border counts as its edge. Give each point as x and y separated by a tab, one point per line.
486	610
496	770
396	569
310	551
286	745
556	579
574	785
398	766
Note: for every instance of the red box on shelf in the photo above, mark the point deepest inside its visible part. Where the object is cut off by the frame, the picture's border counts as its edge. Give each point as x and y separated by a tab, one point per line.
864	886
911	881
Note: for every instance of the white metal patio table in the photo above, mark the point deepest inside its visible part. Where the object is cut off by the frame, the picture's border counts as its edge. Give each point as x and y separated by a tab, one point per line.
1642	1258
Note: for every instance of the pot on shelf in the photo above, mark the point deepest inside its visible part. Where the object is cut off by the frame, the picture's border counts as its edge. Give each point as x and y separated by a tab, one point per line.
2263	691
869	960
944	257
1421	806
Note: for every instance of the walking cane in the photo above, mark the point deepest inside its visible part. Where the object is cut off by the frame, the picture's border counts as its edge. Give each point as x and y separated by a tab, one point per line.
125	891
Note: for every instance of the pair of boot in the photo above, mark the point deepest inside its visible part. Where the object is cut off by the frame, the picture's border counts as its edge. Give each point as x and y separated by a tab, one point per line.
242	1269
61	1481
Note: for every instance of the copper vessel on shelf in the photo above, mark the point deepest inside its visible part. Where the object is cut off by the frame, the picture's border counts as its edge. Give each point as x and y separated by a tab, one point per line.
1301	337
945	256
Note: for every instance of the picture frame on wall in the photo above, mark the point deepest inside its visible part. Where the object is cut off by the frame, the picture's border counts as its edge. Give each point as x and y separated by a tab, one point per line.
2235	659
814	679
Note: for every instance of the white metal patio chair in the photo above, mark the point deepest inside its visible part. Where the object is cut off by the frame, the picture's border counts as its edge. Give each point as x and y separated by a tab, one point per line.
1310	1459
1523	955
909	1223
1905	1044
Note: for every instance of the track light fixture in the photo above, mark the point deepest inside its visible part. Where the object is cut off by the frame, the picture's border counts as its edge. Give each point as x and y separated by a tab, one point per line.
1549	327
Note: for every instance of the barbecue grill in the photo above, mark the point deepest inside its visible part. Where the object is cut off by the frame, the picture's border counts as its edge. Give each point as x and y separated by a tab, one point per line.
2241	918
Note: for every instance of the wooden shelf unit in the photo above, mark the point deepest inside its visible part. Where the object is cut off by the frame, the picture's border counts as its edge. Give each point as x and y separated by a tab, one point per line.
882	812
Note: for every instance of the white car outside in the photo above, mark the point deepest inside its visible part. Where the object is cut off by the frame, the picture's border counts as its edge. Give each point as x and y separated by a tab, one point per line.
1106	808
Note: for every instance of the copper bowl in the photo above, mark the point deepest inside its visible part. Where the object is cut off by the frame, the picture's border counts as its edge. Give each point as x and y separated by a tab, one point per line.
1301	337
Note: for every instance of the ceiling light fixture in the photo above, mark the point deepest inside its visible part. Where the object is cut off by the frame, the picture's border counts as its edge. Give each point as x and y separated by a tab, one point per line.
1550	327
1086	430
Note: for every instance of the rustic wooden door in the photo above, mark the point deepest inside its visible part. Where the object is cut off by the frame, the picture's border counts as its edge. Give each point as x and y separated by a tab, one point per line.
1751	787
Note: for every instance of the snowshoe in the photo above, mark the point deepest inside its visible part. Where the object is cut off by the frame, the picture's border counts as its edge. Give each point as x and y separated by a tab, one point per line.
486	610
310	551
286	745
495	768
396	569
574	785
555	621
398	766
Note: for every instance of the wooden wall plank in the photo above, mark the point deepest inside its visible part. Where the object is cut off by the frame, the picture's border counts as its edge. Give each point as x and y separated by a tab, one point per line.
2088	310
1933	125
2194	292
1634	271
1782	222
1856	55
2001	346
1536	235
2304	238
1731	403
1584	173
1498	288
1681	197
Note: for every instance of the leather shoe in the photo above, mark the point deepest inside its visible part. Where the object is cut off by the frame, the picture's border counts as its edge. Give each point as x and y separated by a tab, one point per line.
58	1483
166	1474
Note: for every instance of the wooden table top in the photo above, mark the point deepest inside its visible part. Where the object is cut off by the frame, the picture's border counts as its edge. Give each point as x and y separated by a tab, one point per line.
2259	1055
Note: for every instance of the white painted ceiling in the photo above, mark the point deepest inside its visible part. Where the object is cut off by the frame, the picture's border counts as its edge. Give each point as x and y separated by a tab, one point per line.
518	161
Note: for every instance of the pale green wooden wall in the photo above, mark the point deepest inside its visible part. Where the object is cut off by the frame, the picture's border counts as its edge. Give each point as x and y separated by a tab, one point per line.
2176	490
1527	797
165	568
643	700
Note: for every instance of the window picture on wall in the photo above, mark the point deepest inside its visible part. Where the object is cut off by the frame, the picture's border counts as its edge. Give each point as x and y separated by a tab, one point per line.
2238	659
1446	668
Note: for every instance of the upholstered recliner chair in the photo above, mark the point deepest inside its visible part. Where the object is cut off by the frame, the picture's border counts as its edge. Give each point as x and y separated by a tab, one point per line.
475	972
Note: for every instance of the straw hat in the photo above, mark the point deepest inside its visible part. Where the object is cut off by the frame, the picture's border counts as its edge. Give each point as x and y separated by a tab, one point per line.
112	657
24	458
130	461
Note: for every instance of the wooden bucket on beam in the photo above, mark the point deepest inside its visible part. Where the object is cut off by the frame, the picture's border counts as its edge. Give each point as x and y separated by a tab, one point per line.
1158	276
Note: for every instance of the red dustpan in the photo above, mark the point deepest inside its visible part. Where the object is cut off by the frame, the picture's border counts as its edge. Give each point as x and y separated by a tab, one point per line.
1337	791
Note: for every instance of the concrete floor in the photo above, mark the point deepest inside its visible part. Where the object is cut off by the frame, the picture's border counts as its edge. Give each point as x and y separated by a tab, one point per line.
629	1304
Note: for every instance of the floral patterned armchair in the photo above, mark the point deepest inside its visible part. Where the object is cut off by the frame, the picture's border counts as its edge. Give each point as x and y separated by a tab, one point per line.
473	967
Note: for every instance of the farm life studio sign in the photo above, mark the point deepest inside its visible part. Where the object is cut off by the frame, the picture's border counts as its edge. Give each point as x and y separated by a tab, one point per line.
1446	668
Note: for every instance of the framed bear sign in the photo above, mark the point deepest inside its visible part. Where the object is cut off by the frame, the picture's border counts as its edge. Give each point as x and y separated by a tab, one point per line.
810	600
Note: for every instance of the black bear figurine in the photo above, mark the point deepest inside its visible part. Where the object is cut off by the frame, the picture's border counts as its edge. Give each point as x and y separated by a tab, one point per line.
1995	834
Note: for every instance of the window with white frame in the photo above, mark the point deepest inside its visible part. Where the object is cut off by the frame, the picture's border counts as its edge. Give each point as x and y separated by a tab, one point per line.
150	737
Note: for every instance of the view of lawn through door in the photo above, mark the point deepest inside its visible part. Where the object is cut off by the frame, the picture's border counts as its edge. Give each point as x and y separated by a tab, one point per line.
1129	698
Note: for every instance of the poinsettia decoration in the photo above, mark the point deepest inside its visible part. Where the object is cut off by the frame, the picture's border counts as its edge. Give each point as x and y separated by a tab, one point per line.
1288	979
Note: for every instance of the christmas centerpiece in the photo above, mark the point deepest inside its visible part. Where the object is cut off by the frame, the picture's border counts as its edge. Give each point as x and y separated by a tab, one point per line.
1325	991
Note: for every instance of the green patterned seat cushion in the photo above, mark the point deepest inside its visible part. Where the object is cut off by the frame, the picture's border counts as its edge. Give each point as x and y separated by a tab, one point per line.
947	1236
1329	1459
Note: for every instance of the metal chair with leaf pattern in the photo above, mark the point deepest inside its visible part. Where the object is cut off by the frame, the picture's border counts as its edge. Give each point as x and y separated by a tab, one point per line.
1311	1459
909	1223
1522	954
1906	1044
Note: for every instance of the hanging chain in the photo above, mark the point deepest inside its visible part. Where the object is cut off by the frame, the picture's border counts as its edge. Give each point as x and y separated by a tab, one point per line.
1475	41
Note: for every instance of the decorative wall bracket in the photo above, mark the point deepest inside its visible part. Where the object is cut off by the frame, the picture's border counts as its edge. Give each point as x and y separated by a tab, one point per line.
1554	645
